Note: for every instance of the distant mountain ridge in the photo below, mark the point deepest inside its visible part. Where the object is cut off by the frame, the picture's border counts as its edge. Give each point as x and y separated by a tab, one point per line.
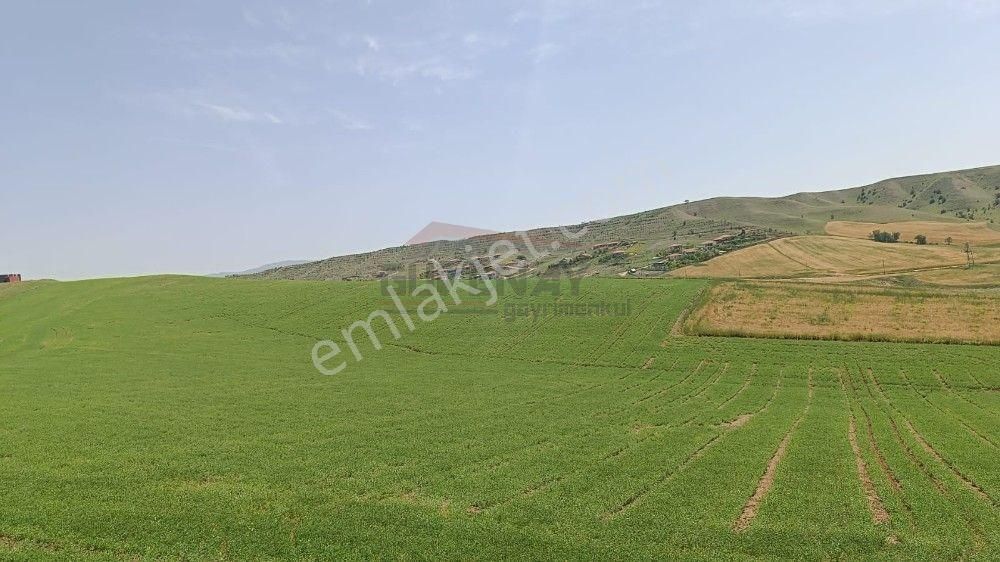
643	238
443	231
260	269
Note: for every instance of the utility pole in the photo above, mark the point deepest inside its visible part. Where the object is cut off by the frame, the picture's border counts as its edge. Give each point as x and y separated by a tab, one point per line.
970	256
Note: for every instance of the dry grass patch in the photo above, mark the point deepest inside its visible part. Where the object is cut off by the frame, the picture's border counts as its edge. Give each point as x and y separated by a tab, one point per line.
936	232
824	256
987	275
810	311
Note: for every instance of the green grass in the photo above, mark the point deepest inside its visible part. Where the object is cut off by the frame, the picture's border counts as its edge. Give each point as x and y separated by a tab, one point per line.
182	418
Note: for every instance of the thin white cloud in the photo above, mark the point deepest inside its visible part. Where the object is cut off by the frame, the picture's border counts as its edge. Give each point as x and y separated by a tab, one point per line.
238	114
198	103
373	43
818	11
433	67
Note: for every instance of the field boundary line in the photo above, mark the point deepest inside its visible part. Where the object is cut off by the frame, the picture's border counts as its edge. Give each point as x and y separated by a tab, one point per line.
677	330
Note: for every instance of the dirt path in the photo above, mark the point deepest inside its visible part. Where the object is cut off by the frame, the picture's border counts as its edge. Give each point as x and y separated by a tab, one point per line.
767	480
875	505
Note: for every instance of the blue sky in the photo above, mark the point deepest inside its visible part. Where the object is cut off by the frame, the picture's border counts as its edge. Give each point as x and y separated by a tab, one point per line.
197	137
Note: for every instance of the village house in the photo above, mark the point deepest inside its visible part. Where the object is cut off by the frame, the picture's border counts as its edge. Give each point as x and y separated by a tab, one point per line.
10	278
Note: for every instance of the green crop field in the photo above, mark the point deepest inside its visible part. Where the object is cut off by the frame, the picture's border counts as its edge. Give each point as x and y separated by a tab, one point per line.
183	418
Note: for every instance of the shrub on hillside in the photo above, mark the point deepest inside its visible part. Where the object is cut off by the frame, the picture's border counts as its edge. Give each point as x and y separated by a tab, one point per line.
886	237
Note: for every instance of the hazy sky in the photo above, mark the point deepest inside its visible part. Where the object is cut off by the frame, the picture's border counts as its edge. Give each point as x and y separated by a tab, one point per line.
212	135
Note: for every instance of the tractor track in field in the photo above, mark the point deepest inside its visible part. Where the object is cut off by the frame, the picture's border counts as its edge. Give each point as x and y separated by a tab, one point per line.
622	329
669	387
695	392
746	383
907	450
978	535
727	427
659	373
736	423
951	391
715	381
875	505
968	482
642	382
766	481
677	329
879	456
947	413
982	385
670	425
665	477
539	487
544	485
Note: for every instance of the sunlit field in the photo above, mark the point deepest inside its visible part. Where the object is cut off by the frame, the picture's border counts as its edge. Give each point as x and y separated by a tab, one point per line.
183	418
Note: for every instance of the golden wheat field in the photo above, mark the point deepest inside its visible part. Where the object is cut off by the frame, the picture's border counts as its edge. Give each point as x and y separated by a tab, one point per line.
986	275
936	232
823	256
797	310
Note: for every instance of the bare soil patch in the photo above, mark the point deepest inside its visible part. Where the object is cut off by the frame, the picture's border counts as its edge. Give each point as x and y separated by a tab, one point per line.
875	505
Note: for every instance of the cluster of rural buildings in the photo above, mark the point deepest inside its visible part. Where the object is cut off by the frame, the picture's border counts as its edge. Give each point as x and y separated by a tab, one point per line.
479	266
10	277
677	252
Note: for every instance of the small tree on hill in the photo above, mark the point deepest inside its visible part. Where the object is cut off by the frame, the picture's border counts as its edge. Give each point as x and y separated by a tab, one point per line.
948	240
921	240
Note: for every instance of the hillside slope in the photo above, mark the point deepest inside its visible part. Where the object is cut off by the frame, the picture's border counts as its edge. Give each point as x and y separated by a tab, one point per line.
958	196
832	256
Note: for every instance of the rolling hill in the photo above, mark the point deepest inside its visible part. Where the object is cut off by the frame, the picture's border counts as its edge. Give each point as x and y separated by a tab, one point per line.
957	197
830	257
